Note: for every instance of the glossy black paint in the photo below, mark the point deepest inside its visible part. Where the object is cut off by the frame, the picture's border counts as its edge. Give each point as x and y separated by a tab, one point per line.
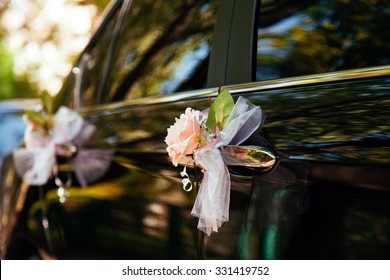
340	132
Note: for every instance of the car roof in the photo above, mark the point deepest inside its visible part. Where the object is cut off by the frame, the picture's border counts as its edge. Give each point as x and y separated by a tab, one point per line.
18	105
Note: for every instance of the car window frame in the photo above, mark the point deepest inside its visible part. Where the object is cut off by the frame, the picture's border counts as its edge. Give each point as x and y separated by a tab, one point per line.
71	92
231	61
231	57
102	90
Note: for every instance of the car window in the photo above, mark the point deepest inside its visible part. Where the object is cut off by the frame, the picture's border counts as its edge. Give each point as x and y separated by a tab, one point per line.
308	37
86	77
164	48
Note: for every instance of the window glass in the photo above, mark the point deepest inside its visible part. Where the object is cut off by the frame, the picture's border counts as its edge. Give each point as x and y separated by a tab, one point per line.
164	48
86	76
308	37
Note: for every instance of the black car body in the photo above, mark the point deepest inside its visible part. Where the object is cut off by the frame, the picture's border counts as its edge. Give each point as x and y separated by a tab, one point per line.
320	72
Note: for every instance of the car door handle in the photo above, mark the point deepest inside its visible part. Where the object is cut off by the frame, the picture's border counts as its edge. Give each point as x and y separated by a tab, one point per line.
255	157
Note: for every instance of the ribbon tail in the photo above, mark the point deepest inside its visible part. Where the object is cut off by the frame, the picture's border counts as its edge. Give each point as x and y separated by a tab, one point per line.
35	166
212	202
91	164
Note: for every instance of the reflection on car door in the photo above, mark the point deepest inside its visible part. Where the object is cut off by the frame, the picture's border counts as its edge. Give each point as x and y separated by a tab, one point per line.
328	198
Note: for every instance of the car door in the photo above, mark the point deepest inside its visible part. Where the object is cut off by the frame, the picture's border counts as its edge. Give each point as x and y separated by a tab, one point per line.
326	101
273	214
154	67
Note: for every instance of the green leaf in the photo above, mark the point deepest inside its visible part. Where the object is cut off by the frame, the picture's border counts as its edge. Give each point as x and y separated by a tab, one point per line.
220	110
48	102
36	117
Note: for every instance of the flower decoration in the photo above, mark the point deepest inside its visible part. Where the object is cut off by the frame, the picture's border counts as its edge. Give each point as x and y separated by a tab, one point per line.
196	137
49	136
184	136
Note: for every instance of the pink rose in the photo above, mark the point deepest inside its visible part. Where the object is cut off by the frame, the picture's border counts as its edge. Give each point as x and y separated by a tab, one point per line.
184	136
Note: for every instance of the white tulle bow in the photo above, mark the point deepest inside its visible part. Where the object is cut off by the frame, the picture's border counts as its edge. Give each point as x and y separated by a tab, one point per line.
212	202
37	162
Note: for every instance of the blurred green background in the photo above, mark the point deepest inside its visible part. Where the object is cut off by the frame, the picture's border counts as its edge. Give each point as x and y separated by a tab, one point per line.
39	41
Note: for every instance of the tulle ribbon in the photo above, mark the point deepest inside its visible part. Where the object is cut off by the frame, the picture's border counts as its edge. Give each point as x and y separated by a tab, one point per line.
212	202
37	162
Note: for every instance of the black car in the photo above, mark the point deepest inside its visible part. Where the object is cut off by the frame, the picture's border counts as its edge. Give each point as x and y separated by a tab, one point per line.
319	69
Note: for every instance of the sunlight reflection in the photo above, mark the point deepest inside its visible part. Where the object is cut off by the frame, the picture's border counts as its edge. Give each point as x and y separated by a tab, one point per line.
43	35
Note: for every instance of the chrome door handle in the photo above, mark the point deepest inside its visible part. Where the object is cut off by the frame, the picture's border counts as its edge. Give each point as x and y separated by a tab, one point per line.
257	157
